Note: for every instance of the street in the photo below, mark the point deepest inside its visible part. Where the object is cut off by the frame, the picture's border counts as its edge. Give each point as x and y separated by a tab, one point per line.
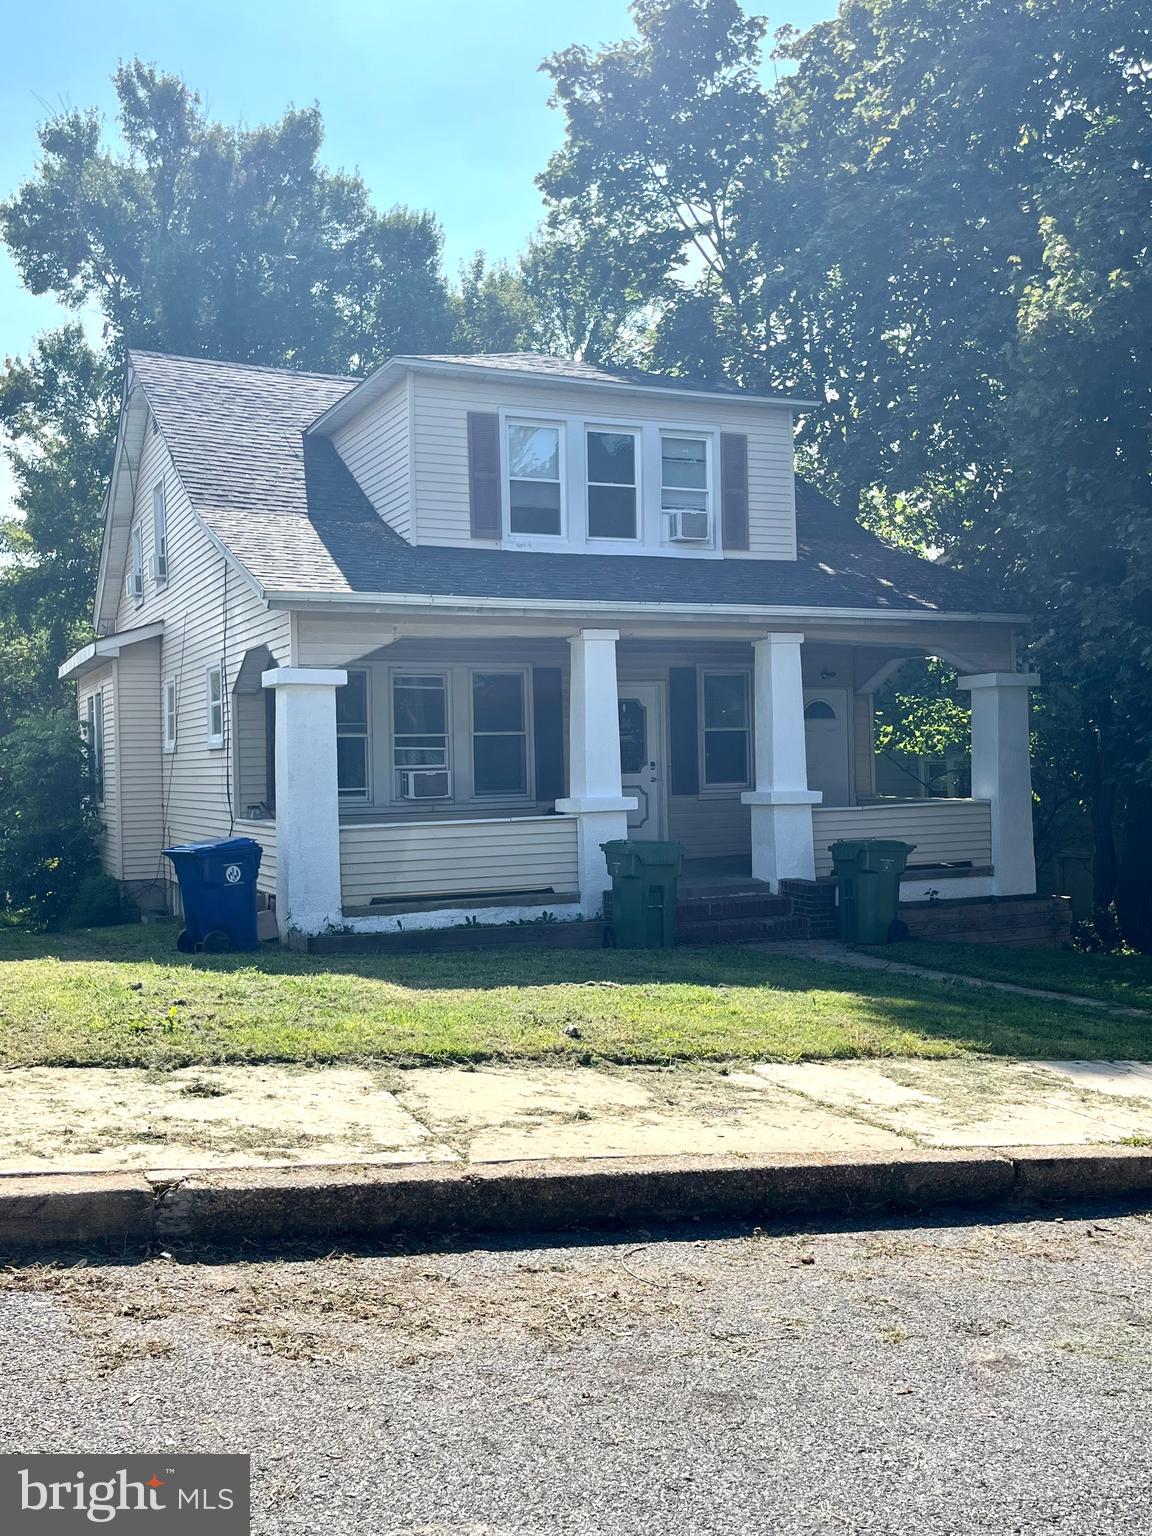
972	1374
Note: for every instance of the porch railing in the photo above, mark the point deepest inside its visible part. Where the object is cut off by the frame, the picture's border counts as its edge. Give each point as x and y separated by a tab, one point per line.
944	831
389	861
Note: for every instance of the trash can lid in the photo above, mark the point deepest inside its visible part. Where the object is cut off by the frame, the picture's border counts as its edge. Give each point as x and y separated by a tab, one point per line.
225	847
852	847
653	852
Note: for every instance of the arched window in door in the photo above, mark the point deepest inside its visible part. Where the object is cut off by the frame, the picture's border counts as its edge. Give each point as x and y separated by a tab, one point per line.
819	709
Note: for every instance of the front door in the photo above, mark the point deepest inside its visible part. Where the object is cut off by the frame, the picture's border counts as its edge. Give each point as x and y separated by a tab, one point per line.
642	757
826	741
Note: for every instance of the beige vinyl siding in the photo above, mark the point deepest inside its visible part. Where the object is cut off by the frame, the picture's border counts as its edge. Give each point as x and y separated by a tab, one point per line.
440	445
264	833
943	831
375	447
103	680
461	858
139	728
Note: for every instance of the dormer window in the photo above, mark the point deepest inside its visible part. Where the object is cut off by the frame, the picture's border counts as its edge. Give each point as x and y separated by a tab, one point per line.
684	482
535	479
612	486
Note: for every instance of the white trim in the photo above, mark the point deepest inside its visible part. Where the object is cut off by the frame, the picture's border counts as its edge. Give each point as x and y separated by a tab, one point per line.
357	796
304	677
287	598
511	538
169	738
726	787
523	672
160	534
617	429
96	652
999	680
360	395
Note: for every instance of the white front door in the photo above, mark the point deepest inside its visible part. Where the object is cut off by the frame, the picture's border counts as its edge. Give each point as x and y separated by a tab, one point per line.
826	740
642	756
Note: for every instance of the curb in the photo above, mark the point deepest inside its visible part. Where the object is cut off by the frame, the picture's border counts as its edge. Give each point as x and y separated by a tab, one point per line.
122	1211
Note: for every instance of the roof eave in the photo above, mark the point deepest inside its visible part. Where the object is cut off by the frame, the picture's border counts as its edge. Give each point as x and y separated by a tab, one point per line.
106	648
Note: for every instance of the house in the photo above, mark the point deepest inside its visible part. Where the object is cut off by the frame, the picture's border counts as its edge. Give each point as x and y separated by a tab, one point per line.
433	636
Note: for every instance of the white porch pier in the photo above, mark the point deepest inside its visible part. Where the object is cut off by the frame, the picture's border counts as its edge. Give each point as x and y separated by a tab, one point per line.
781	803
1002	773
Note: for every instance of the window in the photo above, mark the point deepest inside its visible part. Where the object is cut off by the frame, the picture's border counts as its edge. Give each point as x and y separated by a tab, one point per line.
726	728
535	500
499	734
352	737
611	485
170	714
684	474
94	730
215	700
160	535
420	734
819	709
136	566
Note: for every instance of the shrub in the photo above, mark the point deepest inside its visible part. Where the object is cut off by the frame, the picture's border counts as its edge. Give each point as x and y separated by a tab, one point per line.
48	824
99	903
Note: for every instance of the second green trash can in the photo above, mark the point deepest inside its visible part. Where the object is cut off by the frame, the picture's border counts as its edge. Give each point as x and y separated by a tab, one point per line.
868	871
644	879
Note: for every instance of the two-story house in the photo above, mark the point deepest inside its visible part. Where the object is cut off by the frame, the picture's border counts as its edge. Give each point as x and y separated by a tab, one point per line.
434	636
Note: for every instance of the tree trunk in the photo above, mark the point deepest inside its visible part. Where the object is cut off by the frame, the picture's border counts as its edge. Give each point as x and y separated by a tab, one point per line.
1134	882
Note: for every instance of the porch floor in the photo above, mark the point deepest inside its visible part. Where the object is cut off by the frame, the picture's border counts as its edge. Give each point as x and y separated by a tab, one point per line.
730	875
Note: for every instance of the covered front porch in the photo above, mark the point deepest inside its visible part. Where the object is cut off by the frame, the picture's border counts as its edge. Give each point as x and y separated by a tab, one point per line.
401	778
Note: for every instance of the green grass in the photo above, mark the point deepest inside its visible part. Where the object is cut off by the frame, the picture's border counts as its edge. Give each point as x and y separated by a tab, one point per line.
1125	980
124	996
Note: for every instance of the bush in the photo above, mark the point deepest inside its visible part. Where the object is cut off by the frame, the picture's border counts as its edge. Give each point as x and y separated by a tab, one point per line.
99	903
48	825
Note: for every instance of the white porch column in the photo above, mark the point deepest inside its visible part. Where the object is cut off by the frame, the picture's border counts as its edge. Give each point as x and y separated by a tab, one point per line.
307	798
781	804
1002	773
595	793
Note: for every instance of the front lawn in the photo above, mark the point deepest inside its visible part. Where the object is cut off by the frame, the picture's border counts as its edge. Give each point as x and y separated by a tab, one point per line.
1125	980
124	997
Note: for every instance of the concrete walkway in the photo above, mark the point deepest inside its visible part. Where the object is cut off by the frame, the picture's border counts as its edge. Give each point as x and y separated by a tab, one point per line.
90	1120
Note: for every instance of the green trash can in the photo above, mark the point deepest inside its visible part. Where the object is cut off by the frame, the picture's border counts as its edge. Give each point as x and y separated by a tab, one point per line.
644	879
868	872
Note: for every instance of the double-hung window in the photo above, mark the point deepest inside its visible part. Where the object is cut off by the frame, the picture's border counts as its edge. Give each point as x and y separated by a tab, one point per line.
420	735
94	730
136	565
499	734
535	479
684	478
159	535
215	705
727	729
169	713
612	484
352	738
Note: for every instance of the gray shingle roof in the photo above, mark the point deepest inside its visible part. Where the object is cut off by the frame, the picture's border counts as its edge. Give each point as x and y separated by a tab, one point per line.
289	509
540	363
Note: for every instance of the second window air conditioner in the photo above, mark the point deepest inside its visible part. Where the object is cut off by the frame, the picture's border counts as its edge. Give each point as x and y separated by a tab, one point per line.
689	526
425	784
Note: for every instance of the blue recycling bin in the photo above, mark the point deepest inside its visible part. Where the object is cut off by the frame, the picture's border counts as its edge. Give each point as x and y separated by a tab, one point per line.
218	889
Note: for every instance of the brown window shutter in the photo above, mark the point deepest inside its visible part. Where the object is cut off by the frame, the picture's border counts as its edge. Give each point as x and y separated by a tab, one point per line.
484	473
684	731
734	490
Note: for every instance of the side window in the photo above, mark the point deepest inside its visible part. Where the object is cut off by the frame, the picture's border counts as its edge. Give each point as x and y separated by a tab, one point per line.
159	535
94	730
420	736
215	703
170	712
352	738
684	495
535	479
612	485
135	580
726	729
499	734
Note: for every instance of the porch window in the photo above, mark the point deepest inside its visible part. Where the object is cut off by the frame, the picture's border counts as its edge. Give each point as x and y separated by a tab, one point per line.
535	498
170	714
352	737
611	458
499	734
727	729
215	701
420	734
94	731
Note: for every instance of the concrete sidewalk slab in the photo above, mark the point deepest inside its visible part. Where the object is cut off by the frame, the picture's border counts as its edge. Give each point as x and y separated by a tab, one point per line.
90	1118
506	1114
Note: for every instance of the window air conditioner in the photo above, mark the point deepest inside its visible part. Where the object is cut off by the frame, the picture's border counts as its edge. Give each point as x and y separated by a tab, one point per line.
689	526
135	584
158	567
425	784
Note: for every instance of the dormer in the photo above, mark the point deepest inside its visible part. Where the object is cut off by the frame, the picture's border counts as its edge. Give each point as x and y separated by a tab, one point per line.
526	452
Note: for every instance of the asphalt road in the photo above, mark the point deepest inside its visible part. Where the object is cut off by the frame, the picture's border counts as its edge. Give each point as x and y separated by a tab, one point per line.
966	1376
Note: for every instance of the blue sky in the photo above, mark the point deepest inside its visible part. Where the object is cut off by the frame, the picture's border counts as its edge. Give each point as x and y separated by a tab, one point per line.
439	106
